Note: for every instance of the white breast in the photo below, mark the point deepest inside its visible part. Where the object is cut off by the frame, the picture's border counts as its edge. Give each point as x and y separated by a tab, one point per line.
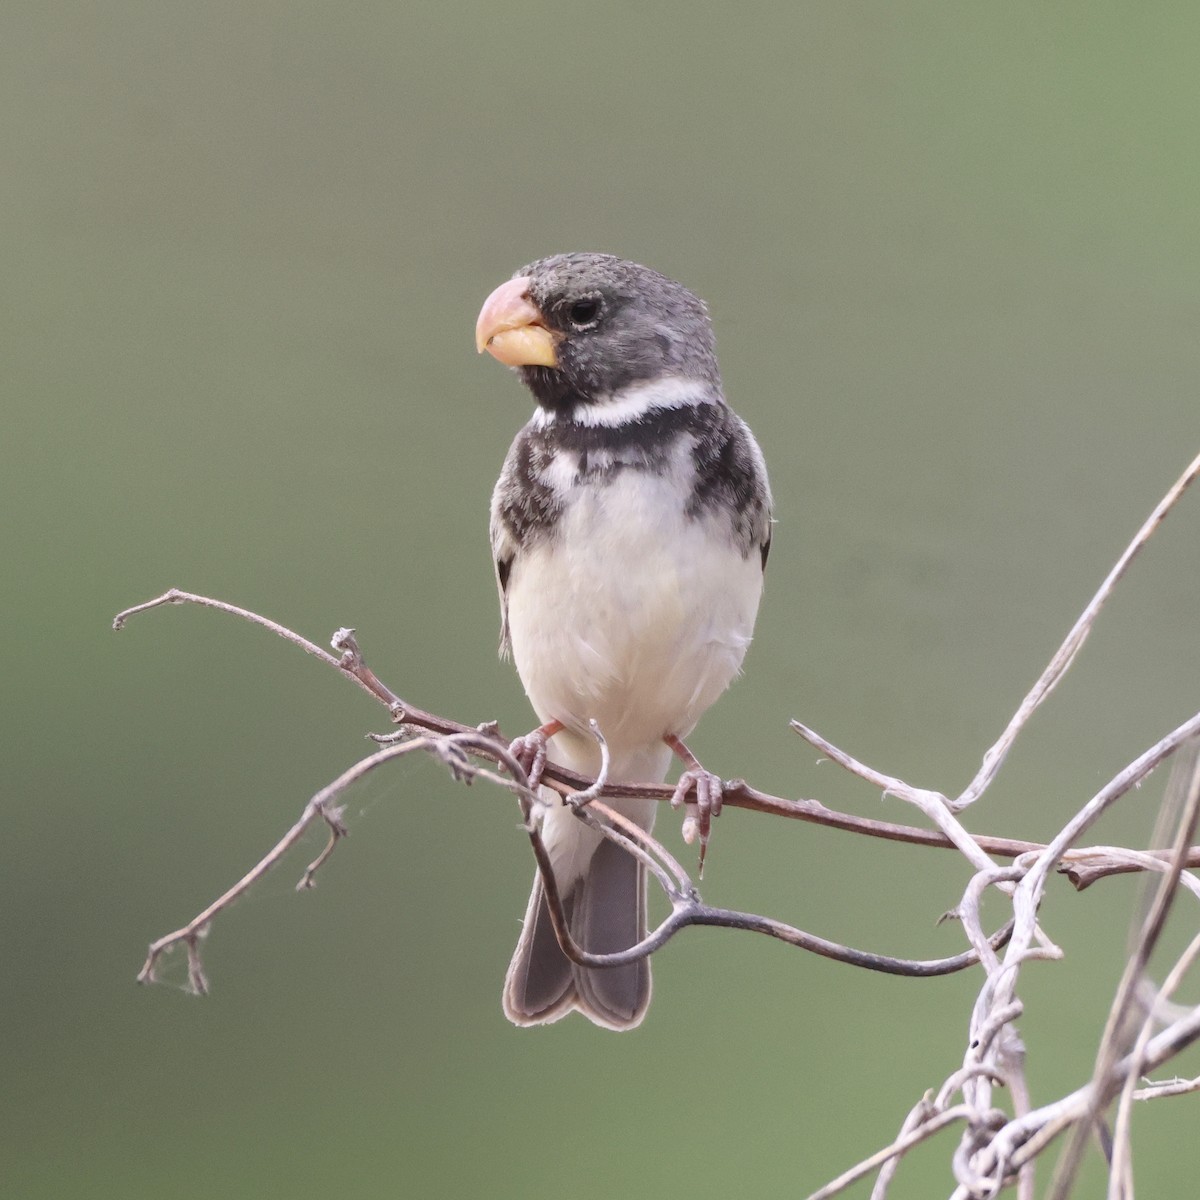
633	613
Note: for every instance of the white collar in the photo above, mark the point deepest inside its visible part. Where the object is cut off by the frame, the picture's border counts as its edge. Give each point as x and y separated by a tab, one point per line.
632	403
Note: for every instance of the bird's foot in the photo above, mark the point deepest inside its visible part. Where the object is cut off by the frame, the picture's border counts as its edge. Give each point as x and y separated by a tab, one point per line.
530	751
707	791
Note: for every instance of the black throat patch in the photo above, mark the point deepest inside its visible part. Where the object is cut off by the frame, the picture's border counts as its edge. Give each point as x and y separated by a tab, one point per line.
728	480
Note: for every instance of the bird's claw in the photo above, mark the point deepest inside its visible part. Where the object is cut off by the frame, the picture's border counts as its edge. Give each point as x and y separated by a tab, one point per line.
530	751
708	792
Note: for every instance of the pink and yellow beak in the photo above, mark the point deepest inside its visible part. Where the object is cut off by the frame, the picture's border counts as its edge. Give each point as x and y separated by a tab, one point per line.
511	330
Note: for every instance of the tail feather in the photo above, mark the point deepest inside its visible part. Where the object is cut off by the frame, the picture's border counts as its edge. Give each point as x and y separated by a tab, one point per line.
606	912
611	916
540	985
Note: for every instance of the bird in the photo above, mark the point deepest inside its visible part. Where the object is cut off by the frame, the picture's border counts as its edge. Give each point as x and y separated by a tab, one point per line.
630	528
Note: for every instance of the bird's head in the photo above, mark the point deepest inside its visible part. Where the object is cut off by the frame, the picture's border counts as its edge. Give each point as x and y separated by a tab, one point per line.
585	327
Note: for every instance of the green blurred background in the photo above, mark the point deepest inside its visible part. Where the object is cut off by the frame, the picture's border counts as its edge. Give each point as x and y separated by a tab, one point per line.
951	254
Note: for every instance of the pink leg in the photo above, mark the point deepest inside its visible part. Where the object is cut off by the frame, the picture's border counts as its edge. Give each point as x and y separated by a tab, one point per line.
530	750
707	803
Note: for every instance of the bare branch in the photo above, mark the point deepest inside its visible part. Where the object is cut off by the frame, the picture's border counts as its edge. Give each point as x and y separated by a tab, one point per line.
997	1003
1145	1029
1183	793
933	804
1058	666
918	1115
320	807
596	788
337	831
687	907
738	794
176	596
922	1132
1084	865
1167	1087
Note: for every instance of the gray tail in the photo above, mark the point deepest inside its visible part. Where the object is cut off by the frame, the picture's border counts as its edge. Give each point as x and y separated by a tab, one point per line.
606	912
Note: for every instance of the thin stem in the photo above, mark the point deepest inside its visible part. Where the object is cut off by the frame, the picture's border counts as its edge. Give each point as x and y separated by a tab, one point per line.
1058	666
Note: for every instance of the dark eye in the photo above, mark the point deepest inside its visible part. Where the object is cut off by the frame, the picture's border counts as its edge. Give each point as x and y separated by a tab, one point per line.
584	312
